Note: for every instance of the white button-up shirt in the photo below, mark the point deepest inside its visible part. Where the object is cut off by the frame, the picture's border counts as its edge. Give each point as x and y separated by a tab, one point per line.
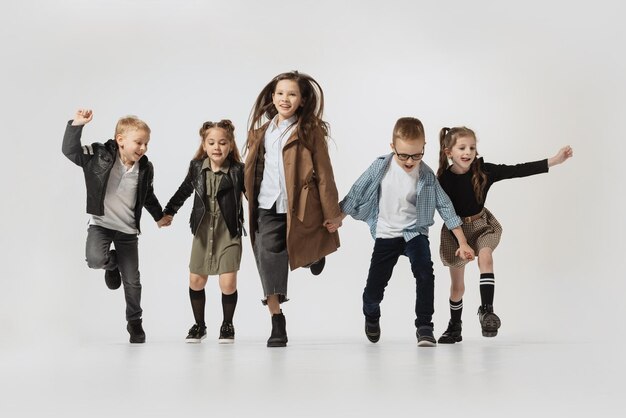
273	188
120	199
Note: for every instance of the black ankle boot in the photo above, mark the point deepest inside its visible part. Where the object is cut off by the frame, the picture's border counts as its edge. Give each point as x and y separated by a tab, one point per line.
137	335
489	321
279	331
452	334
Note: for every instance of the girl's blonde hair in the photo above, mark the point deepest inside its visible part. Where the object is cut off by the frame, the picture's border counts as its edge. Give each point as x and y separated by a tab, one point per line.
130	122
447	139
309	115
229	128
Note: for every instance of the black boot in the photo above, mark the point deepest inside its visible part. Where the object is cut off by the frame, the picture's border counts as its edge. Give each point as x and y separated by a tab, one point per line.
489	321
134	328
279	331
452	334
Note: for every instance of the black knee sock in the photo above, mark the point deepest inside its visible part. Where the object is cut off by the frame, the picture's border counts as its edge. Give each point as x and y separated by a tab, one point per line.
487	288
198	300
456	310
229	302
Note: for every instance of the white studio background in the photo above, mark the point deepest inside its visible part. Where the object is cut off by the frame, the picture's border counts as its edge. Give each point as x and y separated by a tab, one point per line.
527	77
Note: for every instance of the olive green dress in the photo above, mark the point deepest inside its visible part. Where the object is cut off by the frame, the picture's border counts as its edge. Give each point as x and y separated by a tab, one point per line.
214	251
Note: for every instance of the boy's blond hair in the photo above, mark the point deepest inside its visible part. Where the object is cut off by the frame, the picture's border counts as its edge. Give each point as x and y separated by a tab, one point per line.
408	129
130	122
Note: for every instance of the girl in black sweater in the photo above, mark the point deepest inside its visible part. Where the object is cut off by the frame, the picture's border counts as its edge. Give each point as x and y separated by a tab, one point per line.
467	179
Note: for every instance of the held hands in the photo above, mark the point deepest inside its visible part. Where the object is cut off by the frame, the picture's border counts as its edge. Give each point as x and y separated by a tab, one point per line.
82	117
166	220
465	252
332	225
561	156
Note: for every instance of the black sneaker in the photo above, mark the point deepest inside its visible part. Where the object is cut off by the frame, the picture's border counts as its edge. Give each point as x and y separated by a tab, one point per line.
227	333
196	334
425	337
452	334
112	278
489	321
318	266
372	331
137	335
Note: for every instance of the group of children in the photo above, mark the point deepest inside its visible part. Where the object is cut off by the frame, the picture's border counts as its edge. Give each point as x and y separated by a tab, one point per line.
294	210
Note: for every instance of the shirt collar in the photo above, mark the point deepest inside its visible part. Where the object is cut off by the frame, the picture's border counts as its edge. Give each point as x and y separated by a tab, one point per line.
282	125
206	165
123	168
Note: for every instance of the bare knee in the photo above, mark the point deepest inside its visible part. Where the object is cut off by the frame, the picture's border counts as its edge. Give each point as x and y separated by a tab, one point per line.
485	262
228	283
197	282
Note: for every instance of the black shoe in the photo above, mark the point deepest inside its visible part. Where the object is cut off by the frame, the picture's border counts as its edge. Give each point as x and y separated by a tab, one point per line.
372	331
279	331
112	278
489	321
425	337
452	334
227	333
134	328
318	266
196	334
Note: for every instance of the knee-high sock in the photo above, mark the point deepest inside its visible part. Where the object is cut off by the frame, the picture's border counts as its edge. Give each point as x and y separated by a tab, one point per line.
456	310
487	288
229	303
198	300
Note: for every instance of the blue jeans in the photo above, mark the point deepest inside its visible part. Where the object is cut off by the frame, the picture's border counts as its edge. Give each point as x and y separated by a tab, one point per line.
384	258
126	259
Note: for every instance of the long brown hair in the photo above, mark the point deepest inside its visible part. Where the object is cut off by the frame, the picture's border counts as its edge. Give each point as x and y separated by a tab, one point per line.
229	128
447	139
309	115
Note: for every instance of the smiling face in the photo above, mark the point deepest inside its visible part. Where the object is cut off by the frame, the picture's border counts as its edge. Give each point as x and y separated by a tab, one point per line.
408	153
217	145
462	153
287	99
132	145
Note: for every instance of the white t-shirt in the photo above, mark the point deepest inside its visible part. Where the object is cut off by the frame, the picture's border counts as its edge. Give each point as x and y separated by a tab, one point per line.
120	199
273	188
396	205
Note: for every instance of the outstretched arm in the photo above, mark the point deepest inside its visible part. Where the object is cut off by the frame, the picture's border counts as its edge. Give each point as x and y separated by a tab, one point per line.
82	117
561	156
72	147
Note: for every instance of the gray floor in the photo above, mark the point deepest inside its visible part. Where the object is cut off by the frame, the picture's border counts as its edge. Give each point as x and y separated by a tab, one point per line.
340	378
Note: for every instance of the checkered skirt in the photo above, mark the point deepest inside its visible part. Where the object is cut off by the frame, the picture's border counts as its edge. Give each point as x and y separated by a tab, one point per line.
483	232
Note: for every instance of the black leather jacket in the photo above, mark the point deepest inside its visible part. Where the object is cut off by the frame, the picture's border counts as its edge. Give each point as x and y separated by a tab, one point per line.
97	160
229	195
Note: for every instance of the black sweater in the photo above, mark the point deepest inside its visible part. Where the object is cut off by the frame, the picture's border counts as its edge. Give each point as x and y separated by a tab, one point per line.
459	186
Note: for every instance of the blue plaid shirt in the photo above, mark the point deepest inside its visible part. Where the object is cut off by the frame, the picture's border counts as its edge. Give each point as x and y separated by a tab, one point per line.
361	202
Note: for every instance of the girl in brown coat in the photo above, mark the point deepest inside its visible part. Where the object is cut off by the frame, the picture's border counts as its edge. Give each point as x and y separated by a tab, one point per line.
290	187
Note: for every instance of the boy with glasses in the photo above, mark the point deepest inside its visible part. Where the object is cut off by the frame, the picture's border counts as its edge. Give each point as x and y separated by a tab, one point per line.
397	197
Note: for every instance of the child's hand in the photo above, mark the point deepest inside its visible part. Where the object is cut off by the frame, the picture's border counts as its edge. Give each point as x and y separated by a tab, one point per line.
561	156
332	225
166	220
82	117
465	252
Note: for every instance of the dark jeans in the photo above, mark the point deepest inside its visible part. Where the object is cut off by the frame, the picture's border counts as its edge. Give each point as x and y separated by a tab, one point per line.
126	259
384	258
270	253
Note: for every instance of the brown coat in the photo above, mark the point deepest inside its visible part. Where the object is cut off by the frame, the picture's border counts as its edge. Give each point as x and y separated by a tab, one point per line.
311	193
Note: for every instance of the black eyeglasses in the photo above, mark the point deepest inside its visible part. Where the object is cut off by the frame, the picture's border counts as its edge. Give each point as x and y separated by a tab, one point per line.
224	124
404	157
